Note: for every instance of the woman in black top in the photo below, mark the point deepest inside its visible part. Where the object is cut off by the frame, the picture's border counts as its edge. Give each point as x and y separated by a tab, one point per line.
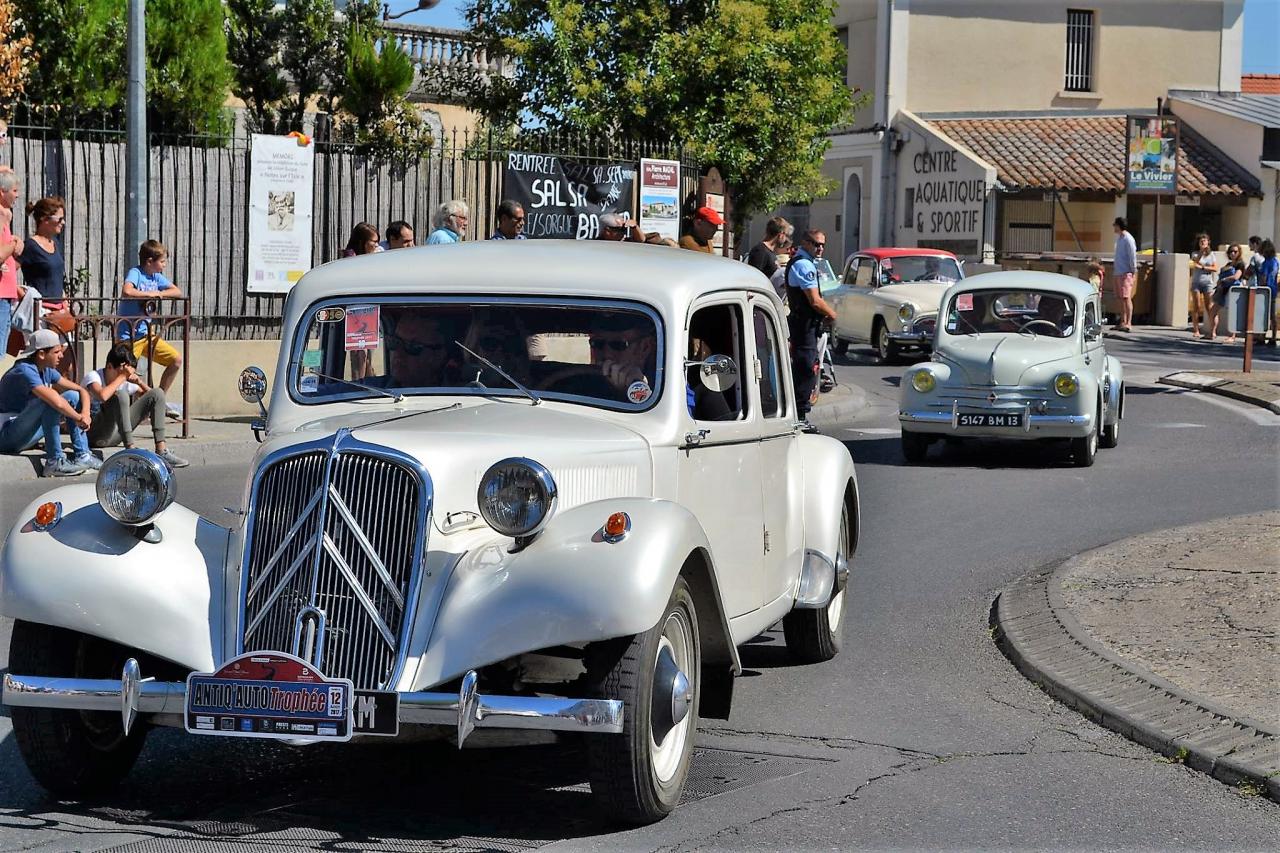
43	266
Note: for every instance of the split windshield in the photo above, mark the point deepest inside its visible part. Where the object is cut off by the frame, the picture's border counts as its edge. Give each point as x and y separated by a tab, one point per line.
605	354
1030	312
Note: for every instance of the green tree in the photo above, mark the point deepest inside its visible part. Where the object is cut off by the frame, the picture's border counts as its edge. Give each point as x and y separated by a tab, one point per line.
16	56
372	91
310	56
750	86
255	38
81	46
187	70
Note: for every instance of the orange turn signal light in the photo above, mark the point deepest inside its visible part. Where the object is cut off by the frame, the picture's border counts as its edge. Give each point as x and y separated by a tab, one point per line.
617	526
47	514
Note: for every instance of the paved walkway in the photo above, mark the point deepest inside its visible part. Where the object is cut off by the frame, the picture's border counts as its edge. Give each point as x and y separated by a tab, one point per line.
1171	638
1258	387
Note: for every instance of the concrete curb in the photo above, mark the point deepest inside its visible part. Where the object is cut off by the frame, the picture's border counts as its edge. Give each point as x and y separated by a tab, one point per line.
838	406
1036	631
26	466
1224	387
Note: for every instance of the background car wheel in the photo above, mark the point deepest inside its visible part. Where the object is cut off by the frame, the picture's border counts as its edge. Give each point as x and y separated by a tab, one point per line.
840	347
885	347
70	752
915	446
637	777
1084	450
813	636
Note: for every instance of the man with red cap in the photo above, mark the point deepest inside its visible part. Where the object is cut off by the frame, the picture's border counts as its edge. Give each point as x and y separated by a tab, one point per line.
706	222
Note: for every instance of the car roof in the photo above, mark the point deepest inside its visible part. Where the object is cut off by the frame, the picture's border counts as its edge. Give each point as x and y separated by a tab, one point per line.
891	252
1031	279
666	278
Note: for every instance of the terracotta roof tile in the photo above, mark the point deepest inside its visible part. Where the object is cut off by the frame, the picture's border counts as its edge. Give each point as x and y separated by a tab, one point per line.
1260	84
1086	153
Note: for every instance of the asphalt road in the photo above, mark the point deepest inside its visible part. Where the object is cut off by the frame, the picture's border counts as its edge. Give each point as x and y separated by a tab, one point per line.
920	735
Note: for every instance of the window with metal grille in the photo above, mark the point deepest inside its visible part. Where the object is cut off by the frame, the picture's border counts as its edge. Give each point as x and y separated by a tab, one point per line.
1079	50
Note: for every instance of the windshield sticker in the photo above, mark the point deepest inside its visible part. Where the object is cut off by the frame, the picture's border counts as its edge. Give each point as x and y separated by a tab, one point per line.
639	391
964	302
309	384
330	315
361	328
311	358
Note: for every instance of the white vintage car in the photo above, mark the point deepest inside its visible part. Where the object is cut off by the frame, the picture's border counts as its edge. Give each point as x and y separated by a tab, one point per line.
889	298
511	485
1019	356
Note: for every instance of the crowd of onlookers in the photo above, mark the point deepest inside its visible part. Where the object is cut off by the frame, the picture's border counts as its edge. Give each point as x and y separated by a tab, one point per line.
1254	265
37	397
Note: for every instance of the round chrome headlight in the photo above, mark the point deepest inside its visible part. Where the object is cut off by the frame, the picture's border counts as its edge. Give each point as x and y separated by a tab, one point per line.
906	311
516	497
923	381
134	486
1066	384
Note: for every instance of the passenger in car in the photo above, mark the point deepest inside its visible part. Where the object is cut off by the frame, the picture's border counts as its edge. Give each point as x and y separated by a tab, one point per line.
500	336
624	349
417	351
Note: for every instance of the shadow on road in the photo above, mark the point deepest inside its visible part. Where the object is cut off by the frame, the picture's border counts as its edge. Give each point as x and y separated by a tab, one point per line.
965	453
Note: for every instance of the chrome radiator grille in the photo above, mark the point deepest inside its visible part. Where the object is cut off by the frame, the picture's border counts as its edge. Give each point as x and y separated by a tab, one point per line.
334	549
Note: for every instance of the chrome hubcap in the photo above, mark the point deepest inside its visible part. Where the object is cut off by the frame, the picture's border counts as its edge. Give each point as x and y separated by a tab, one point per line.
672	699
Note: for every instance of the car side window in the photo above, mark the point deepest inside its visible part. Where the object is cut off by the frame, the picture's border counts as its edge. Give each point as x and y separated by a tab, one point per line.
865	274
1090	313
716	330
768	357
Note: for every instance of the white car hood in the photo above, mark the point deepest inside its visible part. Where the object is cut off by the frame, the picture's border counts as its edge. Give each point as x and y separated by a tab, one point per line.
590	458
926	296
1001	358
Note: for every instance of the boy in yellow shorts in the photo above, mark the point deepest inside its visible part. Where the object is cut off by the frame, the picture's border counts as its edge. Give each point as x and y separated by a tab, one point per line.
147	281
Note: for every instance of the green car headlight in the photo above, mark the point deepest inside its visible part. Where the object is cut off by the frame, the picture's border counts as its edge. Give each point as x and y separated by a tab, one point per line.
1066	384
906	311
923	381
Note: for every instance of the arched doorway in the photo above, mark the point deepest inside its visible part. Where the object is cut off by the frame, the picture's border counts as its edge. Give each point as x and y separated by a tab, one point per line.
852	217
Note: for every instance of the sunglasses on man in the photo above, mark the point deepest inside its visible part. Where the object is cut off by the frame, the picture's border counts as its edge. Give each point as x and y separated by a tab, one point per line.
395	342
614	344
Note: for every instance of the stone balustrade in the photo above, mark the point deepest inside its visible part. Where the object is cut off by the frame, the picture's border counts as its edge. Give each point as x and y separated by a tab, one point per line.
443	49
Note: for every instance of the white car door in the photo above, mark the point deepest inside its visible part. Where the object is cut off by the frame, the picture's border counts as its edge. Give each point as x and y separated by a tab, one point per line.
1095	355
859	306
781	472
719	476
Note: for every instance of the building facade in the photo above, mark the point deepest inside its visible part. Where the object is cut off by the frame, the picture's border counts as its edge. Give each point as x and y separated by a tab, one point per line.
998	126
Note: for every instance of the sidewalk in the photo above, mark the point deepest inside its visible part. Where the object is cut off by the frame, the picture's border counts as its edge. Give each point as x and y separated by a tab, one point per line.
215	440
1259	388
837	407
1171	638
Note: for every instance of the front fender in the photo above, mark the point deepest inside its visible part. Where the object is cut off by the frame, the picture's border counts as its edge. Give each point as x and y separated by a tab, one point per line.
90	574
828	478
1115	390
569	586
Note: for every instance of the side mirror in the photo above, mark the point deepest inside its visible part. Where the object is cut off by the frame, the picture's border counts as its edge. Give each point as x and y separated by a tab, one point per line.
717	373
1092	332
253	389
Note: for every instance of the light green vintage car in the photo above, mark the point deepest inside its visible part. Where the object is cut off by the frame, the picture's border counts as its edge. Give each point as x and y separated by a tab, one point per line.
1018	356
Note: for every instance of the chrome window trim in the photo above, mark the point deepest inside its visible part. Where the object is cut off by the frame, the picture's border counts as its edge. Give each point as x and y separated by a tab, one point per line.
294	367
339	442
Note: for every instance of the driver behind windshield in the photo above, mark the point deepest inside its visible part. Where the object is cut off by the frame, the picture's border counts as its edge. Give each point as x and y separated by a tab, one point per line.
499	336
417	353
624	349
1053	309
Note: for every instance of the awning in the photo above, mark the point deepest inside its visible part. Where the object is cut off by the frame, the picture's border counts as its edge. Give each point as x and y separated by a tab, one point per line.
1087	154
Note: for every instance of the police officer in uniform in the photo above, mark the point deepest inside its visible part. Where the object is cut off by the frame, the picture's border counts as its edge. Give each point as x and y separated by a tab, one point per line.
808	311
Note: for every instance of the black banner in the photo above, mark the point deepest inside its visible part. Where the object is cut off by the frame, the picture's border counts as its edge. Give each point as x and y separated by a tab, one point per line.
564	199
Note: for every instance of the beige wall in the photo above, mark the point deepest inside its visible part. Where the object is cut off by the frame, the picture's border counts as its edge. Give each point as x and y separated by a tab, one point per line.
213	370
1092	221
1011	54
860	18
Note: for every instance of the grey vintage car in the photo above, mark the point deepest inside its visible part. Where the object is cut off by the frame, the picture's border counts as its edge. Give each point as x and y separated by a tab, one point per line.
536	485
1018	356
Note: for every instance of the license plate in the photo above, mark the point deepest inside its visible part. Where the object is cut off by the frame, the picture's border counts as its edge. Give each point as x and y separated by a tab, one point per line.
990	419
269	695
376	712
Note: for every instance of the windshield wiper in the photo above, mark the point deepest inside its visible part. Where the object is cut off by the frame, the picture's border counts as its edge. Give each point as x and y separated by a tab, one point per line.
399	398
496	369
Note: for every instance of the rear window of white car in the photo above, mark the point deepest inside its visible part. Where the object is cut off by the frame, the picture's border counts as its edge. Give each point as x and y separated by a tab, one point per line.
606	354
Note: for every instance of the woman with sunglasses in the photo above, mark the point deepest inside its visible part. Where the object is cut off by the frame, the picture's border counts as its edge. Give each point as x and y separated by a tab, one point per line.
1232	273
43	266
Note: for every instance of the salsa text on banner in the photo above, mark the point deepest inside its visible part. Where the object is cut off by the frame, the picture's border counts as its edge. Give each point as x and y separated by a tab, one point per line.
564	199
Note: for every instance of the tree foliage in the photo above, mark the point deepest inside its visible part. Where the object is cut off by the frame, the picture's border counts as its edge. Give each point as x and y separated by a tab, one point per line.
187	70
750	86
16	56
255	37
81	46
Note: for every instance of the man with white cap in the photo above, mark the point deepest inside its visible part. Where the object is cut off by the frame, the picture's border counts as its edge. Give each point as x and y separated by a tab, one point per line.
619	227
35	398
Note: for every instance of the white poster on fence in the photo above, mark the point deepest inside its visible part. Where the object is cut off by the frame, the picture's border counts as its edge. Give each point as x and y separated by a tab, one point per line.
281	170
660	197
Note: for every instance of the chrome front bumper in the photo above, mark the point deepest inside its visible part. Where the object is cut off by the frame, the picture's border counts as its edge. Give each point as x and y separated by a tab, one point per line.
1033	425
466	709
917	338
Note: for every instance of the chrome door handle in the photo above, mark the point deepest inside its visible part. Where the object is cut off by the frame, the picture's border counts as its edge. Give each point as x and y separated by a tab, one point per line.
694	438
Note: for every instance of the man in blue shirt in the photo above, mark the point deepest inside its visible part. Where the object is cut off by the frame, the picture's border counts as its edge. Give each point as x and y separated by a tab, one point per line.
808	311
510	221
34	398
450	223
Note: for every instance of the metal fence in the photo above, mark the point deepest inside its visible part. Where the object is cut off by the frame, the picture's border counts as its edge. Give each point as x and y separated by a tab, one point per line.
198	204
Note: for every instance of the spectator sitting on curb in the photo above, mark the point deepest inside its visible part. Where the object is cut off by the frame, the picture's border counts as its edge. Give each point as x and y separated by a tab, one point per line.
147	281
119	400
510	221
37	397
399	236
450	223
